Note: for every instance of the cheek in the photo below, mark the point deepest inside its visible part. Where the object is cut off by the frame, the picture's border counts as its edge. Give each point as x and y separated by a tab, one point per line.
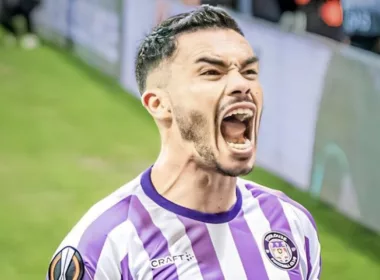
199	95
258	97
206	91
257	93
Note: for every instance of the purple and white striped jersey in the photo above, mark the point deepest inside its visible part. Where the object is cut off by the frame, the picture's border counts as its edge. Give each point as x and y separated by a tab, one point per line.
137	234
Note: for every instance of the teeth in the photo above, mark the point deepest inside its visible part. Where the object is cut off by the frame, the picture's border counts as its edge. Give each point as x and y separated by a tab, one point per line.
241	114
244	146
241	117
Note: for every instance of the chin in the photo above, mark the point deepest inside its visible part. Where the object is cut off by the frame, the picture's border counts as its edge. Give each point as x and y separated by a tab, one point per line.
235	167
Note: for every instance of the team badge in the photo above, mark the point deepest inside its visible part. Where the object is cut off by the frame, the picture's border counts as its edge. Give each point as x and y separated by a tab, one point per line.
67	264
281	250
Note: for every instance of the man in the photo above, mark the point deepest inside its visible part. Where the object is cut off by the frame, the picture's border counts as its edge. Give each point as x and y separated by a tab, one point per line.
189	216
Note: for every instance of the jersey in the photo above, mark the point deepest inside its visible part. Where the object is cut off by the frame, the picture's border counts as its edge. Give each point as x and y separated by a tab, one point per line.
137	234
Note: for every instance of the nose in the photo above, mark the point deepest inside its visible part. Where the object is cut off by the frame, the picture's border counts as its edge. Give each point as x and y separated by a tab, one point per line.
238	85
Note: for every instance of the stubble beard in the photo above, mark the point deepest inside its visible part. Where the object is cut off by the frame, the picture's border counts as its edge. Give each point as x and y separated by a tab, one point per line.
192	128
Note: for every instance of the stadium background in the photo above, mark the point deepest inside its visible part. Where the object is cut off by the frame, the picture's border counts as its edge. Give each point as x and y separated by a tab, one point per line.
70	133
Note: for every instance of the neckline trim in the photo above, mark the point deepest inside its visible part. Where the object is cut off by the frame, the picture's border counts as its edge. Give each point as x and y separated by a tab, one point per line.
218	218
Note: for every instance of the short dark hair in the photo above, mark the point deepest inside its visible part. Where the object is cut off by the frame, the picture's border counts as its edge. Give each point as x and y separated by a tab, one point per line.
161	42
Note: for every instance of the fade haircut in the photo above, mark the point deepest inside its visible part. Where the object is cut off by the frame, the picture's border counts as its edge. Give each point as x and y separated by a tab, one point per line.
160	44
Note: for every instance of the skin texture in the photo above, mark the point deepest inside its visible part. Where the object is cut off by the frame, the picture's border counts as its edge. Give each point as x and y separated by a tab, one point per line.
188	97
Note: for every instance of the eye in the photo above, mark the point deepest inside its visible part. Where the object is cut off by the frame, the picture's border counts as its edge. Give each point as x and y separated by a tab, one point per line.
250	72
211	73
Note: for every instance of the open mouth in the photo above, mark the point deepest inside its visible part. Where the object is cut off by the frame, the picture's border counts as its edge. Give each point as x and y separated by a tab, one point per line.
236	128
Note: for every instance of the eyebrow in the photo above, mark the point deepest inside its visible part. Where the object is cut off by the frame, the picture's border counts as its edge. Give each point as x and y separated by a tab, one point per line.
221	63
212	61
251	60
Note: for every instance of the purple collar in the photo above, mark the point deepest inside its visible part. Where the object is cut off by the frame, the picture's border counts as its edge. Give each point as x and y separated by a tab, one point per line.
218	218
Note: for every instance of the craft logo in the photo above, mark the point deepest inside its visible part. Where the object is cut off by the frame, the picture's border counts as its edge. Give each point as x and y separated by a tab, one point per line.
155	263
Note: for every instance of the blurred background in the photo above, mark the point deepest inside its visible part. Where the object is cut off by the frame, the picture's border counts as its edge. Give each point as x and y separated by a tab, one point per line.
72	129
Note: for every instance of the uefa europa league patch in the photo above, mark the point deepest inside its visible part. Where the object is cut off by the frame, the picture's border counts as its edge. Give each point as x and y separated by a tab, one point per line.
281	250
67	264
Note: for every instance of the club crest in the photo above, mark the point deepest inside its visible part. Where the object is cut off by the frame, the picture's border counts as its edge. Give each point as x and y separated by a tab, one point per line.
281	250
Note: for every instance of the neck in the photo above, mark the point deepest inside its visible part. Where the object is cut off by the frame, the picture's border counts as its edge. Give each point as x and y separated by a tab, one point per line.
182	181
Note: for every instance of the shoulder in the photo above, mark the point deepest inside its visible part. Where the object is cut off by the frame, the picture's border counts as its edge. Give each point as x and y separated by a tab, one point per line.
94	234
288	219
103	216
273	196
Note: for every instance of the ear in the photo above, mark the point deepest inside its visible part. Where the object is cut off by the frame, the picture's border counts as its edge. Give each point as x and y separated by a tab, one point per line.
157	104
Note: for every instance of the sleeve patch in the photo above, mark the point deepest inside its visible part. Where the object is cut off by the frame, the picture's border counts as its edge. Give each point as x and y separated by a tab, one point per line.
67	264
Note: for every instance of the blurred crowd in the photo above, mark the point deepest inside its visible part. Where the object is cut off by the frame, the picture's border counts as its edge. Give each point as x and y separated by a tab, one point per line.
355	22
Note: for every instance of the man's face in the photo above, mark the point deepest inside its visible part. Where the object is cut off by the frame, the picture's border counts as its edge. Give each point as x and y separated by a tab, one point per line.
217	99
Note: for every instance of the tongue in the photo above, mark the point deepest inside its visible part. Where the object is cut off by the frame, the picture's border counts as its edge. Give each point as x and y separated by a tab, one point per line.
233	130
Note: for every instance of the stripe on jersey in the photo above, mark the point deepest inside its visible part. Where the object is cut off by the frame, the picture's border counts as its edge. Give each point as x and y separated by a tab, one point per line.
153	241
203	248
259	226
140	266
125	272
226	251
277	219
297	233
247	247
300	209
307	250
114	249
314	244
175	233
87	275
93	239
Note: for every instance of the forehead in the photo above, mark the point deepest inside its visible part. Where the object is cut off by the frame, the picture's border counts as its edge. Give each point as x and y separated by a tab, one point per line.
226	44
